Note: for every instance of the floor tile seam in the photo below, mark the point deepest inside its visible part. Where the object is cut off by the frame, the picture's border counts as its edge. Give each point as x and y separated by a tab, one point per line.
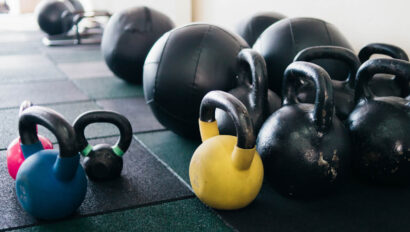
149	204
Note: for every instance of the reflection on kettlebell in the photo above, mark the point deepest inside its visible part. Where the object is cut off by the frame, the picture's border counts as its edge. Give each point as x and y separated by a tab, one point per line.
304	147
50	184
15	156
225	171
343	90
257	98
380	127
103	162
385	85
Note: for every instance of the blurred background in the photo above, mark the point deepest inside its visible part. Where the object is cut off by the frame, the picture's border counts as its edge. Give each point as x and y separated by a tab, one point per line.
361	21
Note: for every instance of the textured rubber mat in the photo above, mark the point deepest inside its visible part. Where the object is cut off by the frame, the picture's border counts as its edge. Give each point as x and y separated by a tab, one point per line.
135	110
85	70
20	68
143	181
111	87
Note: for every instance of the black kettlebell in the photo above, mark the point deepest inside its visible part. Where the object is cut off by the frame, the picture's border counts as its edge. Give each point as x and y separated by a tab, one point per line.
258	99
103	162
380	127
343	90
382	84
304	147
56	17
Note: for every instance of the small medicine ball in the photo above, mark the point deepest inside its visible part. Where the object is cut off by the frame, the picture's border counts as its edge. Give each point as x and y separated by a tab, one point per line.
251	27
128	37
280	42
184	65
55	17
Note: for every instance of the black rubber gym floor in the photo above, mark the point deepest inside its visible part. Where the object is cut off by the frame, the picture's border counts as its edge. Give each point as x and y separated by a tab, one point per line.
153	193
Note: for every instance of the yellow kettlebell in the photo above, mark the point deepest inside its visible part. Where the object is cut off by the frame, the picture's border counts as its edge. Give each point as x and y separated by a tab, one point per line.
226	172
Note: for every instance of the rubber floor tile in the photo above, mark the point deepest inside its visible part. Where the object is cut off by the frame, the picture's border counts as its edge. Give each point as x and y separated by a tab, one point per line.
136	110
19	68
182	215
75	53
111	87
171	148
11	95
85	70
143	181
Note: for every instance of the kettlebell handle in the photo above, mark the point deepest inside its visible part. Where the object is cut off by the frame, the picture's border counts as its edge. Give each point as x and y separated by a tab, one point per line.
383	49
53	121
101	116
235	109
399	68
333	52
324	106
251	60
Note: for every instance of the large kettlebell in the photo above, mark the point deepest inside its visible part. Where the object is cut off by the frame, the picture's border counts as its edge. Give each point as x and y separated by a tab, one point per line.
15	156
343	91
304	147
382	85
258	99
103	162
50	184
225	171
380	127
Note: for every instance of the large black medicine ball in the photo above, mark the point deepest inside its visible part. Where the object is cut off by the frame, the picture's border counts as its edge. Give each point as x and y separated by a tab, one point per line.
128	37
251	27
184	65
56	17
280	42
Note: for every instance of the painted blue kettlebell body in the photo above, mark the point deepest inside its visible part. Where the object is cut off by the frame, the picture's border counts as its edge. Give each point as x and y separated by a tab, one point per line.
46	180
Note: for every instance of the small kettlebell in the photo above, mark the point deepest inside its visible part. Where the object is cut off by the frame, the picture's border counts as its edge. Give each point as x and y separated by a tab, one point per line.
15	156
384	85
257	98
380	127
103	162
225	171
343	90
304	147
50	184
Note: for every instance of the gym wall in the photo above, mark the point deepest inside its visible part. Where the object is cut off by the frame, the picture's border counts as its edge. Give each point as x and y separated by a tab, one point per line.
361	21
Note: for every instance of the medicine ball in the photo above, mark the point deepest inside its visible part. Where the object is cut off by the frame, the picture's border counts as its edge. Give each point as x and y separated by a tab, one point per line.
184	65
280	42
128	37
251	27
55	17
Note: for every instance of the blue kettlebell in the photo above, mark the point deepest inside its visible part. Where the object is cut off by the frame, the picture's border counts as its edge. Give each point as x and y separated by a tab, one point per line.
50	184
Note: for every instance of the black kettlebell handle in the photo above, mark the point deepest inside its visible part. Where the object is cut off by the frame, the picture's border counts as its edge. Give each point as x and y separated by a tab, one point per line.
235	109
333	52
383	49
324	106
251	59
25	105
103	116
50	119
399	68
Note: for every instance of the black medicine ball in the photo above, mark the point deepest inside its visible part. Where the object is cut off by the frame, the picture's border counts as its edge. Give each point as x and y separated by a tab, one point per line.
128	37
184	65
252	27
280	43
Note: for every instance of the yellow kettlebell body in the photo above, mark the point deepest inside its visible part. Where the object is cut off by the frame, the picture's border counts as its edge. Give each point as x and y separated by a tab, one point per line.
222	175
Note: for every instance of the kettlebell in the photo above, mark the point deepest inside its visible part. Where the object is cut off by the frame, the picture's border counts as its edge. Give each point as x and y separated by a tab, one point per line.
382	84
15	156
225	171
380	127
343	91
50	184
257	98
103	162
304	147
